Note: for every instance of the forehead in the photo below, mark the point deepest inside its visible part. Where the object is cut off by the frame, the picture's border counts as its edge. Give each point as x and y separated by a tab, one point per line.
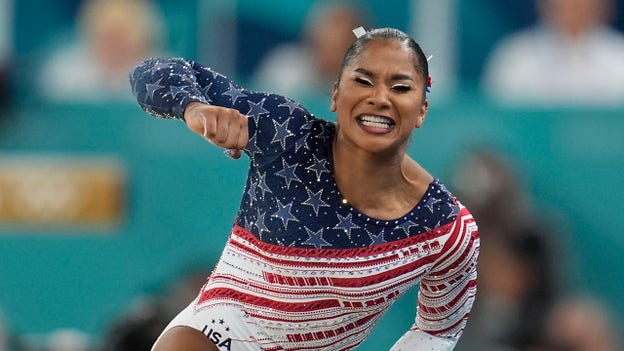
386	55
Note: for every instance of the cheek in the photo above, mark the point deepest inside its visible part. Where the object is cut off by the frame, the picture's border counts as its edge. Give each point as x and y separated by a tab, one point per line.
342	101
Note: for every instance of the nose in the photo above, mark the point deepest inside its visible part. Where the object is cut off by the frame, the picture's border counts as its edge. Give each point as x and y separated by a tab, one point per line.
379	97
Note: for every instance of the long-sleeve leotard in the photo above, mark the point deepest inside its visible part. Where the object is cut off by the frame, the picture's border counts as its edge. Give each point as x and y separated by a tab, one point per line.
308	270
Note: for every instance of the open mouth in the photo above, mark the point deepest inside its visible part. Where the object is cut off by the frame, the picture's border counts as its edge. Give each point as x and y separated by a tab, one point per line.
375	121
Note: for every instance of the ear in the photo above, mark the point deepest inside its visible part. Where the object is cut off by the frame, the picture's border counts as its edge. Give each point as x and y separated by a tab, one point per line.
332	107
423	113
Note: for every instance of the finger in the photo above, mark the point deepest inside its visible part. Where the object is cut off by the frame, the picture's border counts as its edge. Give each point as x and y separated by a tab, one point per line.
229	129
205	126
209	126
243	134
235	139
222	128
233	153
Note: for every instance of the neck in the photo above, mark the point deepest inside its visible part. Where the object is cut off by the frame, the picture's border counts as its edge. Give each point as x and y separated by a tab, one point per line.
382	186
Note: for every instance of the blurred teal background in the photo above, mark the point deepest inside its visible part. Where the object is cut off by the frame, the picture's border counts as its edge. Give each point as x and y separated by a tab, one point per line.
182	194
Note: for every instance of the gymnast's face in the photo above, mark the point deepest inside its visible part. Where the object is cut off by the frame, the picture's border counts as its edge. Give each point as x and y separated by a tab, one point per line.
379	98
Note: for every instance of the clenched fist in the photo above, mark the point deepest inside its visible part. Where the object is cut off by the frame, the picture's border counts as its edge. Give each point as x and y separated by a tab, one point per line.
224	127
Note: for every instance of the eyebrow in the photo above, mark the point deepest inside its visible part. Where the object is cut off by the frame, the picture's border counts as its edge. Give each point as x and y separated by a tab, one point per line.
395	76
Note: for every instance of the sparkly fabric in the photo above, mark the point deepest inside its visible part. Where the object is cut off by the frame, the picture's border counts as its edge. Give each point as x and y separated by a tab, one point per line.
299	251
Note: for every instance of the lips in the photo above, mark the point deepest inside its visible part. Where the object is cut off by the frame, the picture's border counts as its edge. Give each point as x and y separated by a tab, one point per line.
374	121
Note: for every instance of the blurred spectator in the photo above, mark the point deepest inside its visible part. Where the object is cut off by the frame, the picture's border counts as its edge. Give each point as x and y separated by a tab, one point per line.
67	340
4	336
572	56
309	67
6	16
113	36
516	274
182	291
5	89
139	327
581	324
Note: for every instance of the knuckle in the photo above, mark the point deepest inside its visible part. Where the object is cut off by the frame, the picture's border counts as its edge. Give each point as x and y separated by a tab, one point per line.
210	134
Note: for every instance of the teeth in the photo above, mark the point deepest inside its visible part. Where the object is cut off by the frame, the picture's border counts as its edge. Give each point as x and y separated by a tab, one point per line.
376	125
376	121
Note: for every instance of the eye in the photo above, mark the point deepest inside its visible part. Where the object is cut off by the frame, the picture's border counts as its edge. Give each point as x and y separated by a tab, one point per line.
401	87
363	81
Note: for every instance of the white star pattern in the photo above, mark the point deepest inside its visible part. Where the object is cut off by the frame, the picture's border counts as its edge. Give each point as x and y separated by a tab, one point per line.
256	109
346	224
281	133
316	239
284	213
152	88
251	191
263	185
288	173
174	91
315	200
377	239
291	105
431	201
318	167
252	147
406	226
260	223
235	93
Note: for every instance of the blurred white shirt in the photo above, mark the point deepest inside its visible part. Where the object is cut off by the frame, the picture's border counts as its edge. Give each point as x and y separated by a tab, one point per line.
539	66
290	70
72	75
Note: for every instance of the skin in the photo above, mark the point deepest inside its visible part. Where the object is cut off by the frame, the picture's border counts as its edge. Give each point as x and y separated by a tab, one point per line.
224	127
118	41
372	170
574	17
184	339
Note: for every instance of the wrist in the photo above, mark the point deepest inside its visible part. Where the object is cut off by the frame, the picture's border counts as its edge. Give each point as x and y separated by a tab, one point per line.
188	110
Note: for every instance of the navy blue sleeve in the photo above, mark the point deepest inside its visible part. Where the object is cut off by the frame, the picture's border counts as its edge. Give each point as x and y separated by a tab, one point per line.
164	86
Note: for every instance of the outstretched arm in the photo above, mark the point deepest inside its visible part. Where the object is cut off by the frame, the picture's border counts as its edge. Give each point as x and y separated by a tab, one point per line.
170	87
177	88
224	127
447	293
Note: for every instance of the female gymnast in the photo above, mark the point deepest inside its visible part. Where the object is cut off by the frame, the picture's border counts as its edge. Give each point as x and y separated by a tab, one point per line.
336	221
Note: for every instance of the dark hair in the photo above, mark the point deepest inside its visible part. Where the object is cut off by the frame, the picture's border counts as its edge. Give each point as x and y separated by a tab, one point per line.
390	34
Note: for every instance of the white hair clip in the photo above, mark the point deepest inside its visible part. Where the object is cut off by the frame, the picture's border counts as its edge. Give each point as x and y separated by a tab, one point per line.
429	58
359	31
